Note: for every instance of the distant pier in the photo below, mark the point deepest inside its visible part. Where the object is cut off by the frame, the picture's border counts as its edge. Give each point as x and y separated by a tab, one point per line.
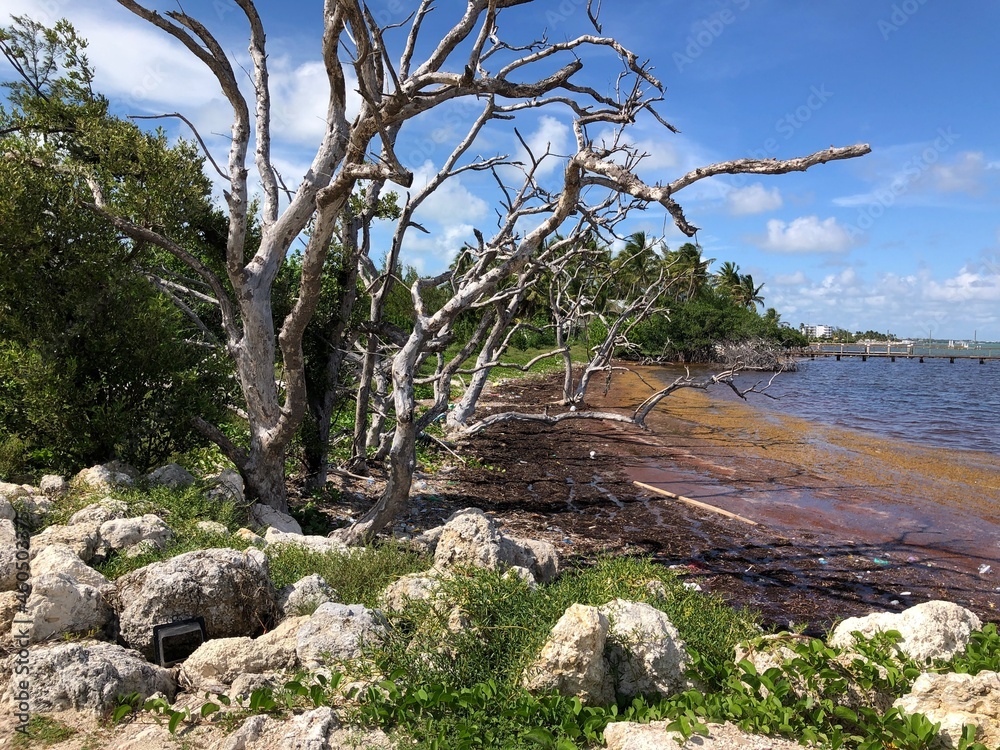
893	352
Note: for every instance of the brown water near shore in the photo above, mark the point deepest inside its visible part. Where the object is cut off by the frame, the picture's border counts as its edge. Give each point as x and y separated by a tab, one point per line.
847	523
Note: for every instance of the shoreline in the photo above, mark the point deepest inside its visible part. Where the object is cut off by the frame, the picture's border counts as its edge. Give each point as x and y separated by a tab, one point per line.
828	547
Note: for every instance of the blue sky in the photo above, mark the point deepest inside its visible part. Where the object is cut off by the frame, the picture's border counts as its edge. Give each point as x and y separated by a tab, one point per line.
905	239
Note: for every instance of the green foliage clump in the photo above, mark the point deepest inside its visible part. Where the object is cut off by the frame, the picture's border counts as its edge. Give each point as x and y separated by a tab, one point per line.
357	575
181	509
464	684
94	361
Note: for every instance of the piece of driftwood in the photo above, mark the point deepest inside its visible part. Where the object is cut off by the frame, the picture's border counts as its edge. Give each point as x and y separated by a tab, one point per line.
695	503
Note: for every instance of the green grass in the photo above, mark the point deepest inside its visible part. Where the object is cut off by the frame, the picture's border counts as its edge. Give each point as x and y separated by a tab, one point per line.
358	576
457	688
43	730
181	510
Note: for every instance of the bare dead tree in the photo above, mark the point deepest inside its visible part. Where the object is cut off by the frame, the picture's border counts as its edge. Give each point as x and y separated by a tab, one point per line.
506	254
470	61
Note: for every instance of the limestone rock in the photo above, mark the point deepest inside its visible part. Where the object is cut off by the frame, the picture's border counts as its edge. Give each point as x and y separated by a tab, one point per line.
572	661
89	676
12	491
231	590
100	512
524	574
105	477
412	587
318	729
8	556
251	537
58	604
226	485
218	662
932	630
955	700
538	557
9	604
33	508
123	533
644	650
53	485
626	735
471	538
266	516
58	559
172	475
140	737
337	632
83	538
7	512
211	527
426	541
304	595
309	541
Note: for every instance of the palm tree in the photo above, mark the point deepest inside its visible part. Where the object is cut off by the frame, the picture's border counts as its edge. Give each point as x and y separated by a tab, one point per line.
689	269
747	293
727	279
638	263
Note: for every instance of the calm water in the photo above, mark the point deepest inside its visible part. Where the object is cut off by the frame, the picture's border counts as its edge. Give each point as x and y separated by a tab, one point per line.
949	405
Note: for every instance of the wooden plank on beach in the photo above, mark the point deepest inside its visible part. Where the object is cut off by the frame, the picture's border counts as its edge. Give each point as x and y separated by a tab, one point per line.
695	503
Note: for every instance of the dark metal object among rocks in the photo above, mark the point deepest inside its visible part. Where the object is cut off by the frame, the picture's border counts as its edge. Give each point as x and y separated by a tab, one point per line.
176	641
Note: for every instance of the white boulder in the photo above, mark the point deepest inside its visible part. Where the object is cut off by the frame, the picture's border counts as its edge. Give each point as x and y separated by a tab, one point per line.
83	538
9	553
232	590
217	663
58	604
7	512
627	735
104	510
932	630
645	652
105	477
12	491
572	660
173	476
226	485
268	517
10	603
211	527
318	729
58	559
53	485
308	541
305	595
89	676
955	700
336	633
470	538
150	530
396	597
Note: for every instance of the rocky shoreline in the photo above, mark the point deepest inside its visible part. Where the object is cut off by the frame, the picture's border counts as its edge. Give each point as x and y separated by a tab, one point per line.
84	641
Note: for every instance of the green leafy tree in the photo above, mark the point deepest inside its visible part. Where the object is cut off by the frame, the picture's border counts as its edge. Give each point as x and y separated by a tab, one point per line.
94	362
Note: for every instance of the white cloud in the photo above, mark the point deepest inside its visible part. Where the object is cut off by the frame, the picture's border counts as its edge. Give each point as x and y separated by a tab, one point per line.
798	278
551	136
965	174
753	199
965	286
431	252
299	98
451	203
806	234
